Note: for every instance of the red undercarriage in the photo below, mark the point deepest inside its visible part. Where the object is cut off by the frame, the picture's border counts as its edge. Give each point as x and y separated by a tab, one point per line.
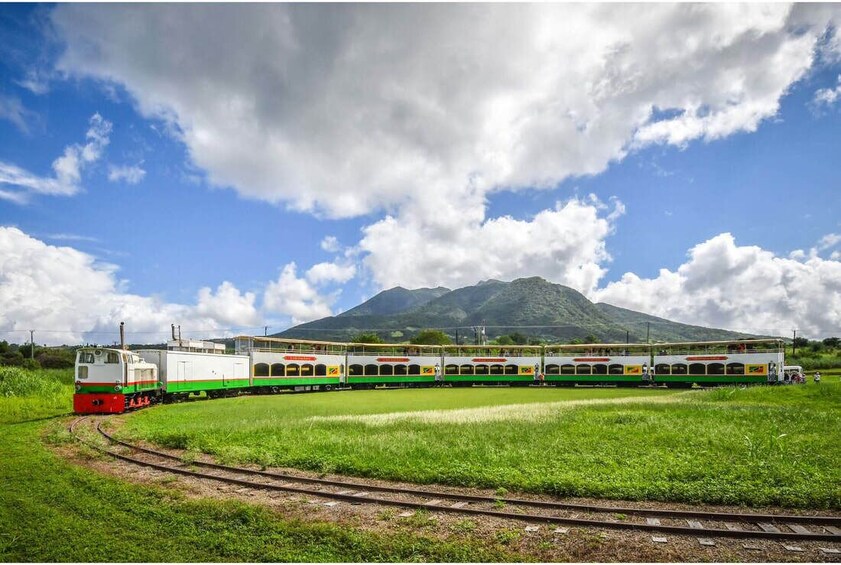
107	403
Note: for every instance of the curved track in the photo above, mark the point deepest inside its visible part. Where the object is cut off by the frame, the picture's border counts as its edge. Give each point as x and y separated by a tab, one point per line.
677	522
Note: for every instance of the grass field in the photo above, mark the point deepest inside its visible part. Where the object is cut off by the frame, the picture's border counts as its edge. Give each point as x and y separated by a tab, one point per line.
757	446
53	511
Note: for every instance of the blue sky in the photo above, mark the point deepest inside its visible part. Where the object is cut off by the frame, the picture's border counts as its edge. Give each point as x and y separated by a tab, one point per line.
233	176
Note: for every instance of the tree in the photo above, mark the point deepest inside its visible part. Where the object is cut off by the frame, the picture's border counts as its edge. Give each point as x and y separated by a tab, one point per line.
431	337
369	337
504	340
591	338
832	341
519	339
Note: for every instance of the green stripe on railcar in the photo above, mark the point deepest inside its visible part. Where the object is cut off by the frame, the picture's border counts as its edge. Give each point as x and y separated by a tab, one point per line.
205	385
386	379
296	381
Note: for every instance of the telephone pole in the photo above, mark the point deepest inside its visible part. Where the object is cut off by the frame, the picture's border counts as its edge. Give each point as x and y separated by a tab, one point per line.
265	331
794	342
32	344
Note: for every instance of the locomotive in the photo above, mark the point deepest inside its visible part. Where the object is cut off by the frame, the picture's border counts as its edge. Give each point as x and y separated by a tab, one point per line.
111	380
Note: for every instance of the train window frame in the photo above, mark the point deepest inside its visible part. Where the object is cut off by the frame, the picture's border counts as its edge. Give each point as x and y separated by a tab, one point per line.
693	369
282	372
735	369
258	368
580	369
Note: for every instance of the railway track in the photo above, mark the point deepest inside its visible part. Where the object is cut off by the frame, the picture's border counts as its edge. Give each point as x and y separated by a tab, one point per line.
700	524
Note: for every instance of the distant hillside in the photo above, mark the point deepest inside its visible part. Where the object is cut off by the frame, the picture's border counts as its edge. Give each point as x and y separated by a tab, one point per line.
530	306
394	301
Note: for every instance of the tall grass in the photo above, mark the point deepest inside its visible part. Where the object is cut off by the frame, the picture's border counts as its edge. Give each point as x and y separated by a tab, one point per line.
33	394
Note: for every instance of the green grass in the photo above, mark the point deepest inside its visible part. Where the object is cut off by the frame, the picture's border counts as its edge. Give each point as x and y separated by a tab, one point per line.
51	510
757	446
34	394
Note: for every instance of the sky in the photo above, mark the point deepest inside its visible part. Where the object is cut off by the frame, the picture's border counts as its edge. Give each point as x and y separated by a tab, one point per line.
231	167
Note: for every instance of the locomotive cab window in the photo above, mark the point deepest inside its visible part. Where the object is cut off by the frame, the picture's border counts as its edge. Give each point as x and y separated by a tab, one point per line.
86	357
112	357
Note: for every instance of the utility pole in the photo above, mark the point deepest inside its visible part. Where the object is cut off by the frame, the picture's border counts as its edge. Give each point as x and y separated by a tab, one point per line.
457	343
627	337
265	331
647	332
32	344
794	342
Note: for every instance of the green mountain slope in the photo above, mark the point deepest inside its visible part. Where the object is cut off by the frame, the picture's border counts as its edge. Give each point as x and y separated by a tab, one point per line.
531	306
394	301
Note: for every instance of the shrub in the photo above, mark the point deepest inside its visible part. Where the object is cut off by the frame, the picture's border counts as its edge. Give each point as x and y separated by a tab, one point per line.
30	364
20	382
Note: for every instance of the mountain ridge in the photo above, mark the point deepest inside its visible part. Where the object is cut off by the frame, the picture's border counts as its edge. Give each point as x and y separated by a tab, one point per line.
530	306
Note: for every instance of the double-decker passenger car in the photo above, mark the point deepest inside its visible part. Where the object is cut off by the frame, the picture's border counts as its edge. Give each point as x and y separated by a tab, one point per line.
293	363
465	365
370	364
597	364
709	363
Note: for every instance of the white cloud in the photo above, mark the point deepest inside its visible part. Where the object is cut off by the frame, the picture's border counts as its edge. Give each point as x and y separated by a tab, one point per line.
330	272
743	288
296	297
330	244
449	248
422	111
131	174
228	306
70	297
352	108
828	96
67	169
829	240
13	110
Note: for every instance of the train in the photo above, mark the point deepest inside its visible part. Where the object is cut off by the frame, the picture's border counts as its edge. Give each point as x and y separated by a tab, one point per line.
114	380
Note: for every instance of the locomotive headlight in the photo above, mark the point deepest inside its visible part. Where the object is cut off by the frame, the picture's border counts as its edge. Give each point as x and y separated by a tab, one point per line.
78	386
118	388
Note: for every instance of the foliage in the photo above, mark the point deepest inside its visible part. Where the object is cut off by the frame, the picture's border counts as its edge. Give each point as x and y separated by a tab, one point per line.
431	337
366	338
833	342
753	446
27	394
56	359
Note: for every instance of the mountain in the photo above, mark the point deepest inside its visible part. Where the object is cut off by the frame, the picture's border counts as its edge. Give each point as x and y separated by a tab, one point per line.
530	306
394	301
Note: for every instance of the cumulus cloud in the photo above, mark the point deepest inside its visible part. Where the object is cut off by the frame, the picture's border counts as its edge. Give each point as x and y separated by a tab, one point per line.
228	306
423	111
296	297
465	97
70	297
330	244
330	272
739	287
67	169
449	248
130	174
